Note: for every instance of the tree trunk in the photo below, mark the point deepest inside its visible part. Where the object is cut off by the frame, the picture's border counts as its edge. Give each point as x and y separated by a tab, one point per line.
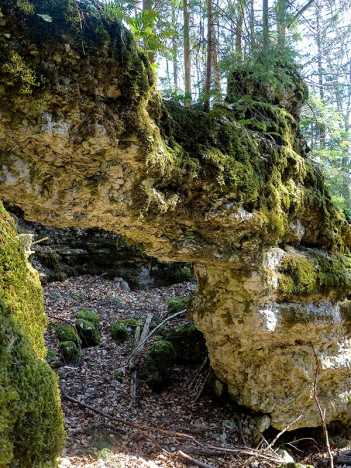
209	55
148	5
281	22
187	57
174	53
239	31
265	25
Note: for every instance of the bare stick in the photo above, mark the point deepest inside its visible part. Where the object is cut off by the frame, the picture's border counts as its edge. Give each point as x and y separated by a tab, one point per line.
142	342
133	383
321	412
128	423
271	445
194	460
202	388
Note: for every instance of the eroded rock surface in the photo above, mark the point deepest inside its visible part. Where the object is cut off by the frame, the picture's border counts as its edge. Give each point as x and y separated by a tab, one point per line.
85	141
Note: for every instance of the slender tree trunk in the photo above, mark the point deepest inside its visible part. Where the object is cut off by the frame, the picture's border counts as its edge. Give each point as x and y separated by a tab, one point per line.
281	22
209	55
148	5
265	25
187	70
252	26
239	31
215	60
174	53
322	135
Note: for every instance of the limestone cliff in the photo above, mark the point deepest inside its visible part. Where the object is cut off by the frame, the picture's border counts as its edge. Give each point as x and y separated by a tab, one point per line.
86	141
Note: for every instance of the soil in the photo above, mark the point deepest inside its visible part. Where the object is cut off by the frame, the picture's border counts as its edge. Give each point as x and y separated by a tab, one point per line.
214	432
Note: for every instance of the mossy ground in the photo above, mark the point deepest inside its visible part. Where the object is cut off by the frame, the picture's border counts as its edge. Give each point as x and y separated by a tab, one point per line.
31	420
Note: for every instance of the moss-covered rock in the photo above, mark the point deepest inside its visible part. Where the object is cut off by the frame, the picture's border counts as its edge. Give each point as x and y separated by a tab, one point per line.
87	314
70	353
188	342
88	333
52	359
67	333
31	421
177	304
158	363
123	329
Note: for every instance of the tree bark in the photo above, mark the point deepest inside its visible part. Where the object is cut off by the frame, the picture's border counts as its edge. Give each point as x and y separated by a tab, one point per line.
209	55
187	56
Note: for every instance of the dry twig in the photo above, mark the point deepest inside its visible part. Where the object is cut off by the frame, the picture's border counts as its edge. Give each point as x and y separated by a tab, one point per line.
321	412
194	460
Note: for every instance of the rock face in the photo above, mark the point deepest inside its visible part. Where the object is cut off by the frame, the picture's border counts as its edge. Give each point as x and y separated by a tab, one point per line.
85	141
67	252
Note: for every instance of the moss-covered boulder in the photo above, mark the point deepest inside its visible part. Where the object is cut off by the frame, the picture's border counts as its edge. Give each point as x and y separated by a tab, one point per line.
177	304
52	359
88	333
87	314
188	342
31	421
158	363
67	333
70	353
123	329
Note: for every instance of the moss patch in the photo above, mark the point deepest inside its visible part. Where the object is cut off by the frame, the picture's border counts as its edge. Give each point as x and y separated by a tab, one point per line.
123	329
67	333
31	420
71	353
177	304
317	272
86	314
158	364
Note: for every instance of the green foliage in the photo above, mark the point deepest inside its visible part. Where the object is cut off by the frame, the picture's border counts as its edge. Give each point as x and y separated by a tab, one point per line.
67	333
158	363
71	353
177	304
144	25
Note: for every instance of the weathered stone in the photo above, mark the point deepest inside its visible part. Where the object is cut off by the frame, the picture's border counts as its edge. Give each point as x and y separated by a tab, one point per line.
158	363
239	200
88	333
71	353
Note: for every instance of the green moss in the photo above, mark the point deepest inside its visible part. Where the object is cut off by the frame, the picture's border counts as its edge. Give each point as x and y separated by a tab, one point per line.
67	333
158	364
88	333
86	314
52	359
177	304
71	353
123	329
317	272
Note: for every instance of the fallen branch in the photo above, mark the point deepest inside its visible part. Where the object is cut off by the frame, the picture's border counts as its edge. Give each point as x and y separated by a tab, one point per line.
128	423
270	446
202	388
142	342
193	460
133	383
321	412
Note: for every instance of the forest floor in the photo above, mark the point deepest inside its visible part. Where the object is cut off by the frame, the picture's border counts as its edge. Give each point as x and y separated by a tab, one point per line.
214	433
